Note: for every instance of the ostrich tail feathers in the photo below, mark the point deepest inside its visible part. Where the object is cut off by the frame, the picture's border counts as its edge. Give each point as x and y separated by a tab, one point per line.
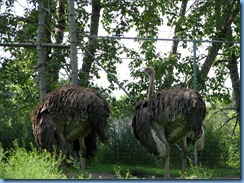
200	141
194	121
196	115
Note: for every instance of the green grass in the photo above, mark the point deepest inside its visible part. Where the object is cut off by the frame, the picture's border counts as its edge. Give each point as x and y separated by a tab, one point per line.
23	164
20	163
157	172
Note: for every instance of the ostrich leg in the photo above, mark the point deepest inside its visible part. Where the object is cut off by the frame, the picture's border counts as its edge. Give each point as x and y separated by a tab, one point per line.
184	154
162	146
62	145
167	162
82	154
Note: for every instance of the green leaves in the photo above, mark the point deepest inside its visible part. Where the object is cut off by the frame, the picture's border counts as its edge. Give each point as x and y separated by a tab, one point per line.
211	20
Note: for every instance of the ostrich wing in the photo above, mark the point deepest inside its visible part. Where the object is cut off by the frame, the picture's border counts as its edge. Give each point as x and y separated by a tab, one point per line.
141	128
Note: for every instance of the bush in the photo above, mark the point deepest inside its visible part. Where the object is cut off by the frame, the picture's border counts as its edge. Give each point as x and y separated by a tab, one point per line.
123	148
215	152
23	164
2	154
234	150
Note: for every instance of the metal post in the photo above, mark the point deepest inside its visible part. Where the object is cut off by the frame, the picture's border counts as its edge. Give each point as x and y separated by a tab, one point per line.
195	65
195	86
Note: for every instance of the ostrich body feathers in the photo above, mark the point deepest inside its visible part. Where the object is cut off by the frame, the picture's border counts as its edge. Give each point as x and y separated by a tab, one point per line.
178	112
70	113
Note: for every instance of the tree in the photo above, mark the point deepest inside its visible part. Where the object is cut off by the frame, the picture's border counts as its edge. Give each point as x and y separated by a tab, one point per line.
91	45
198	20
40	62
73	44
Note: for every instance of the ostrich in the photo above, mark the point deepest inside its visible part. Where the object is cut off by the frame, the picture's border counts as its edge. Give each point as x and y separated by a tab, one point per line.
167	117
71	114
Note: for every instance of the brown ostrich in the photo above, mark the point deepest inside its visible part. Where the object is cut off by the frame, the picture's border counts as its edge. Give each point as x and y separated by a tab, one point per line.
71	114
167	117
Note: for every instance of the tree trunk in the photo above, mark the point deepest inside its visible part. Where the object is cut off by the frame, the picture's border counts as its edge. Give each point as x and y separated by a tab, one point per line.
73	44
60	21
234	76
235	80
54	56
88	59
178	26
212	54
40	52
222	32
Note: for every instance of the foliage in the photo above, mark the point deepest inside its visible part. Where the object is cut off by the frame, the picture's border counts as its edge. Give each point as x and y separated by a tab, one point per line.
235	150
196	173
122	148
2	156
215	152
23	164
122	108
221	147
203	20
152	172
128	175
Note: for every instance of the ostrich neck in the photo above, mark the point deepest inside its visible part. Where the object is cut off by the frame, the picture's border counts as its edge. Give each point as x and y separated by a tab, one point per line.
151	86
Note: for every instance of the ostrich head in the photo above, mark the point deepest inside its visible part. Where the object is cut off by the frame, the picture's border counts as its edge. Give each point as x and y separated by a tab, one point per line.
151	75
149	71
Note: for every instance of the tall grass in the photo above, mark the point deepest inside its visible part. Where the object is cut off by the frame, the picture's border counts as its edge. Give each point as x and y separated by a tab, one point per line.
18	163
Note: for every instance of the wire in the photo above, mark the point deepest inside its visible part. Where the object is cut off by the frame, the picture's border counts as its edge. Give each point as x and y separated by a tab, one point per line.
111	75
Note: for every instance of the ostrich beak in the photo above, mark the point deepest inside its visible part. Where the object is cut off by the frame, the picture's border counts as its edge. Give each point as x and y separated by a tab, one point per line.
143	70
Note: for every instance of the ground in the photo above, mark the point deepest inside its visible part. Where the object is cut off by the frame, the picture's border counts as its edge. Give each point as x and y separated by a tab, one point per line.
103	176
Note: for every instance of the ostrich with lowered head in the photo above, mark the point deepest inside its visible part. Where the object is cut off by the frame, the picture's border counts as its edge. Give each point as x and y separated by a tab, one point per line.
71	114
167	117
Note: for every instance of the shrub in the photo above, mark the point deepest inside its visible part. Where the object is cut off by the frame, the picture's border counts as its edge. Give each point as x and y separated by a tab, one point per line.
215	152
234	150
123	148
196	173
2	154
23	164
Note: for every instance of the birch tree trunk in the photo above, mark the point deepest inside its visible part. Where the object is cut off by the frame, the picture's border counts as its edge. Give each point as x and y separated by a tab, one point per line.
73	44
40	52
88	59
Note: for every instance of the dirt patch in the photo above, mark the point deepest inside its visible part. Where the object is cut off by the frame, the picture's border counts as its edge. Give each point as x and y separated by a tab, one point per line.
113	176
103	176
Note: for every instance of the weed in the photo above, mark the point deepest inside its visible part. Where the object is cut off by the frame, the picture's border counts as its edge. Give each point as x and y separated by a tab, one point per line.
196	173
128	175
23	164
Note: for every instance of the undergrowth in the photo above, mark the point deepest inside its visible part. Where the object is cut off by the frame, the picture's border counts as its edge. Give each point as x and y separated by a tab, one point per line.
18	163
196	173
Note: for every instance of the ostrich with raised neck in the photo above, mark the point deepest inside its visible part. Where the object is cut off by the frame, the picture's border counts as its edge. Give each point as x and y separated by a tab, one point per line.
151	76
168	117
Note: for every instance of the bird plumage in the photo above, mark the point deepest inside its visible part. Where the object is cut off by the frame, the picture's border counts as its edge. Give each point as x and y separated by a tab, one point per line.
179	109
167	117
71	113
141	127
